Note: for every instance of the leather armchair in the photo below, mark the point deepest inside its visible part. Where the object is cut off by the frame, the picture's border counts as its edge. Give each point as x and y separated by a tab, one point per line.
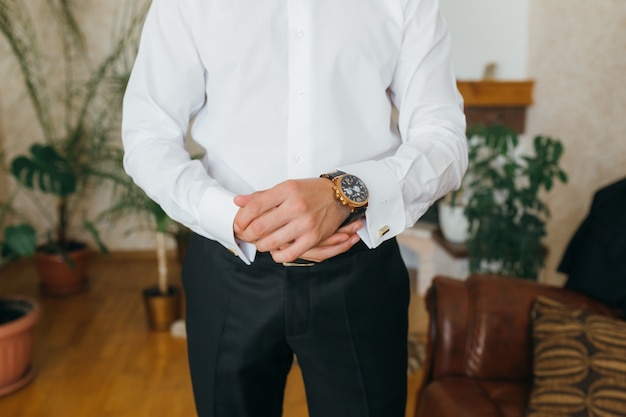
479	352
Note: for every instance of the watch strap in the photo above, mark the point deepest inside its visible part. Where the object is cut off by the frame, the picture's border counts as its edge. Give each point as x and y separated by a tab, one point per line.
332	175
354	215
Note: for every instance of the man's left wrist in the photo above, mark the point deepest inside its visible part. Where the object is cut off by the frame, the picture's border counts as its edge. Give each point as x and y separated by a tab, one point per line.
350	191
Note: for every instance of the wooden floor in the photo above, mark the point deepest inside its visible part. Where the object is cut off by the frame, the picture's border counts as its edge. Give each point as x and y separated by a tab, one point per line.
95	357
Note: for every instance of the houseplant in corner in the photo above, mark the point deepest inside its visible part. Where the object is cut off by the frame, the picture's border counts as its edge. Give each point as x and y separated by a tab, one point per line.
18	316
504	207
77	112
162	301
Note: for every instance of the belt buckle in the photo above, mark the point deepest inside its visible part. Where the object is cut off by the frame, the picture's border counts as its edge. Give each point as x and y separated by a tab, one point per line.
299	263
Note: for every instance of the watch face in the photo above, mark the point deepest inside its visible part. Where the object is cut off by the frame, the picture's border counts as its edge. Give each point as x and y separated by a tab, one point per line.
354	189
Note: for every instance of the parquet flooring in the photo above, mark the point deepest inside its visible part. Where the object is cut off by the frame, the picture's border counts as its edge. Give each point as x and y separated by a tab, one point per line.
95	357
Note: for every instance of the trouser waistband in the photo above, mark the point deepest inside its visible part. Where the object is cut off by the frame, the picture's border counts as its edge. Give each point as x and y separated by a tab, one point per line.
358	247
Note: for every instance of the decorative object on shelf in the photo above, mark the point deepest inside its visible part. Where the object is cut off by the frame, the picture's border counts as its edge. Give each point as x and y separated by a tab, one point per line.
489	72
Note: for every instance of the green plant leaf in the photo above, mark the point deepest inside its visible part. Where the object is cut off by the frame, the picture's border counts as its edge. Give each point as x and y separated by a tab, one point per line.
45	170
20	240
95	234
161	218
505	213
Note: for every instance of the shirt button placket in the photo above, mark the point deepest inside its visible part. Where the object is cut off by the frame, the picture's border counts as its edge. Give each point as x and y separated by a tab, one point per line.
299	132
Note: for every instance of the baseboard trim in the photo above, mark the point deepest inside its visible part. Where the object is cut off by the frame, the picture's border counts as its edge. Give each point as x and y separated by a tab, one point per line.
132	255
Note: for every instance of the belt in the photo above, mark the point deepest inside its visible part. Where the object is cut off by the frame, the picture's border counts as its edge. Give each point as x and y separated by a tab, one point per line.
300	263
295	263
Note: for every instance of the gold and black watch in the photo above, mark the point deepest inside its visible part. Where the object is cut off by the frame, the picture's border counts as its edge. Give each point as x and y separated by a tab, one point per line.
350	191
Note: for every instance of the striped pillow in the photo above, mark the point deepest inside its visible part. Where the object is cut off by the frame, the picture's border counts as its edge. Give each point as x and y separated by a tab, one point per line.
579	363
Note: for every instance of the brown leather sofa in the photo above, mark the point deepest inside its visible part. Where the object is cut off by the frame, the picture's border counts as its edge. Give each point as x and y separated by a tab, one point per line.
479	353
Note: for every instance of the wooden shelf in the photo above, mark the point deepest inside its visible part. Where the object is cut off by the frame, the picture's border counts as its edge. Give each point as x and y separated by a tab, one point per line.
497	102
456	250
496	93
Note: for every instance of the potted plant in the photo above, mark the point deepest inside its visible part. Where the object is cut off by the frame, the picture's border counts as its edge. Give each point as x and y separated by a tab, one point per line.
78	117
162	301
502	191
18	318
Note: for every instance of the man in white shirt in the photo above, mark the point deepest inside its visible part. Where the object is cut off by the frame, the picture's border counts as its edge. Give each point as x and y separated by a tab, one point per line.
304	185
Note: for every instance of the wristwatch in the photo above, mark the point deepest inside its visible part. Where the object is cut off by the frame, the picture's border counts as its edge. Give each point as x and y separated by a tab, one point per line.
350	191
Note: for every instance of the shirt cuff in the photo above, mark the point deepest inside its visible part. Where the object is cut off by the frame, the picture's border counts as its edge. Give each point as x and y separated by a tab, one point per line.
385	217
216	216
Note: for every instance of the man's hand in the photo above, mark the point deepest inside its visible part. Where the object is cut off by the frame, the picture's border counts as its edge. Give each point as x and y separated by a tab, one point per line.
338	243
291	219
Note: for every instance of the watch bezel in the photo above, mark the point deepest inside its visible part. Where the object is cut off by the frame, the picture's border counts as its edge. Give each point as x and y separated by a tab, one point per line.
357	209
339	188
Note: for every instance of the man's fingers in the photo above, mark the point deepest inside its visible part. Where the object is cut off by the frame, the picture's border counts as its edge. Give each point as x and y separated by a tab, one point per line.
283	252
254	206
242	200
351	228
321	253
342	234
290	218
339	242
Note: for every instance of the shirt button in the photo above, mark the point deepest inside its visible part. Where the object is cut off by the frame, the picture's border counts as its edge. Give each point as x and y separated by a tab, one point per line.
300	159
299	34
300	95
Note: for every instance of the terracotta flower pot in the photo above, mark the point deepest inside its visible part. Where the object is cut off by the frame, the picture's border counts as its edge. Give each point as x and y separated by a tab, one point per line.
162	309
58	278
16	342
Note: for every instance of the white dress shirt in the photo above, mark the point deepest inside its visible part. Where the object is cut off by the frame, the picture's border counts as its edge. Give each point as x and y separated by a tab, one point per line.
288	89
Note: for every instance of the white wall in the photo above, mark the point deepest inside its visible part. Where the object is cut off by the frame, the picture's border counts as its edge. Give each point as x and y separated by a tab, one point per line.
575	51
577	55
485	31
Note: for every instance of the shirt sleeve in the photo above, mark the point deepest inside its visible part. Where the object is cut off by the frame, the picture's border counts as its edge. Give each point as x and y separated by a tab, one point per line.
166	87
432	158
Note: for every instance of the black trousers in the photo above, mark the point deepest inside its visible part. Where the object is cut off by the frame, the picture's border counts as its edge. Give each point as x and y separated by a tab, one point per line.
345	319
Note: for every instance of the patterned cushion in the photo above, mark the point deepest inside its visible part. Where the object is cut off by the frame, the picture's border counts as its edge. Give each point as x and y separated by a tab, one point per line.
579	363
